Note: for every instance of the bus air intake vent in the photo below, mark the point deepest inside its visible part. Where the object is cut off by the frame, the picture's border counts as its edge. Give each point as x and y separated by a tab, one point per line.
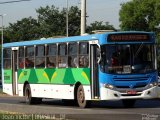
131	79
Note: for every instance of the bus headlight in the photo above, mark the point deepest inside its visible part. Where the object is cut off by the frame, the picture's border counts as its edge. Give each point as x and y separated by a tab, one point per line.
153	84
108	86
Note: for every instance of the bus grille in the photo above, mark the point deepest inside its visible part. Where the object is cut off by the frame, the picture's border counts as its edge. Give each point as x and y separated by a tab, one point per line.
131	79
136	86
141	82
131	94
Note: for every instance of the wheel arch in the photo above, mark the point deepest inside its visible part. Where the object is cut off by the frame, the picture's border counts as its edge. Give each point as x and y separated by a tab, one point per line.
25	83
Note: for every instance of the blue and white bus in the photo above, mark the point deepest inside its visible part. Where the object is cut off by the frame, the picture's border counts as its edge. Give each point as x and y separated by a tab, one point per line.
107	66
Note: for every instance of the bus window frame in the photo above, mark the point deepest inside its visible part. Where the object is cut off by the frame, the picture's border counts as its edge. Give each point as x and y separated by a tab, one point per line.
26	56
75	55
6	58
80	55
64	65
55	56
40	57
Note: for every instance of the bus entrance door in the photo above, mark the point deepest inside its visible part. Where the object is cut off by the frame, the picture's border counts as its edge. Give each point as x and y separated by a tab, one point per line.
14	70
94	71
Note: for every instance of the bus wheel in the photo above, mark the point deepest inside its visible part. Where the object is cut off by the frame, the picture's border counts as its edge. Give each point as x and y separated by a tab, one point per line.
28	97
81	97
129	103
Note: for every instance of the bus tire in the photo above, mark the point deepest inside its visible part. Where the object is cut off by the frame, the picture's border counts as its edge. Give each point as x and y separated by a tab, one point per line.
28	96
82	103
129	103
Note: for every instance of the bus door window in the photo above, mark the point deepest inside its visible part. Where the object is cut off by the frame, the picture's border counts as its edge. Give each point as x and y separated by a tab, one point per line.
83	54
21	57
7	58
29	60
109	58
62	55
51	55
72	55
40	56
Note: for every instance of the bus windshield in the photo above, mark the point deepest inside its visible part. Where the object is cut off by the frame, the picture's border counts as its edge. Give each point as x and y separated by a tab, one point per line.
126	59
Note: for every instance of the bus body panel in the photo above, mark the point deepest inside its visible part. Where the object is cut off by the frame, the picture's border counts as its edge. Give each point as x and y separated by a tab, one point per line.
7	86
8	76
55	76
54	83
54	91
125	84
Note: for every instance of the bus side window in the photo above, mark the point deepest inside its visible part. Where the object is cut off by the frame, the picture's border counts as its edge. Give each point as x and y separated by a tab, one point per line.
72	55
40	56
21	57
62	55
29	58
51	55
83	54
7	58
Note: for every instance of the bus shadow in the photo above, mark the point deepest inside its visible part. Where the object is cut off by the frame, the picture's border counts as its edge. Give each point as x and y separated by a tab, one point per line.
105	104
119	105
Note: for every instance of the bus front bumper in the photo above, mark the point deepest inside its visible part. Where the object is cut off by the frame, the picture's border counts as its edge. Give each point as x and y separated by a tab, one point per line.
108	94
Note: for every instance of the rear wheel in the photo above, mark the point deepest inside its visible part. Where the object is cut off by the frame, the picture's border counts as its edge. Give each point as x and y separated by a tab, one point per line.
28	96
129	103
81	101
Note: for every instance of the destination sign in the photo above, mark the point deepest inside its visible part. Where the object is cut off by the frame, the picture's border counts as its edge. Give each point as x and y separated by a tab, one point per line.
128	37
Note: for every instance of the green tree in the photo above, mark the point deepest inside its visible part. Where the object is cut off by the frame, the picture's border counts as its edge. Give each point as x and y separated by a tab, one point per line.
25	29
140	15
50	20
74	21
99	26
53	21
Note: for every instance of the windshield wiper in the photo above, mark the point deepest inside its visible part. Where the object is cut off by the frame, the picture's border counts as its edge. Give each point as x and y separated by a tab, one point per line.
139	49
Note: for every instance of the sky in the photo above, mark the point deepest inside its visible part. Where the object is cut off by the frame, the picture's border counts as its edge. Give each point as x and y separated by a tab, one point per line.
97	10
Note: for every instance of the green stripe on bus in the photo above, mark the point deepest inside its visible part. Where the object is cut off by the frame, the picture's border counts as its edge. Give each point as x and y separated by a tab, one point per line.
54	76
8	76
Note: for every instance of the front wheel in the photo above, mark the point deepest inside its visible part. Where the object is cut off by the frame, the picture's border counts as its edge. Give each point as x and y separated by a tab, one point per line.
81	101
129	103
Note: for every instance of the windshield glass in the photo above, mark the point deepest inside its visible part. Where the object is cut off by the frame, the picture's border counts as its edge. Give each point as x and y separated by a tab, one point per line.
125	59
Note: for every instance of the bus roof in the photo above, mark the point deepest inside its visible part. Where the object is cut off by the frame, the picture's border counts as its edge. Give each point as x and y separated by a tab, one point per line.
100	37
52	40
